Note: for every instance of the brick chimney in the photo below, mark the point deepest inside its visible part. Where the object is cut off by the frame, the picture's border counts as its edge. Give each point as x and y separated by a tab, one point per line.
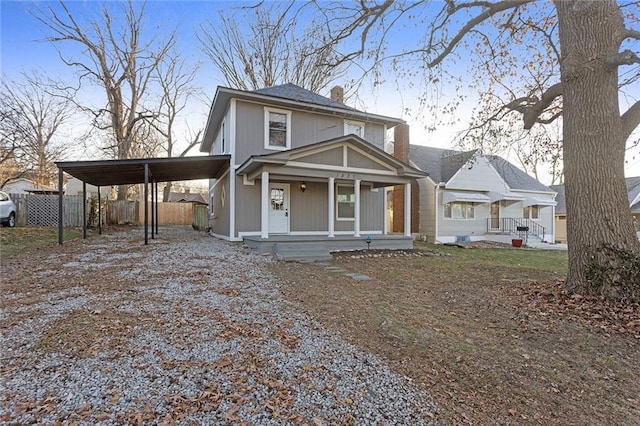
337	94
401	152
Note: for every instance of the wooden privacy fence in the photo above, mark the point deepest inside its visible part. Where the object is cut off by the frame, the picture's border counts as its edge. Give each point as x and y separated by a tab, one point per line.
42	210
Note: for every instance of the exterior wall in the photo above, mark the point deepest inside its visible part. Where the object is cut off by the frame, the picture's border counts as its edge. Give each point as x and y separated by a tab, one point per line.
468	227
426	209
247	206
479	176
372	209
306	128
309	208
219	219
561	228
332	157
216	148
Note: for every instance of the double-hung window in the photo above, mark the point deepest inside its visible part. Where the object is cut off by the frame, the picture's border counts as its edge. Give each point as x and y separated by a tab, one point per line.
531	212
345	202
277	129
459	210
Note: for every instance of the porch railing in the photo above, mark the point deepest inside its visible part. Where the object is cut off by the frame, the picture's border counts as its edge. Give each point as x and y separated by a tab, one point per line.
513	225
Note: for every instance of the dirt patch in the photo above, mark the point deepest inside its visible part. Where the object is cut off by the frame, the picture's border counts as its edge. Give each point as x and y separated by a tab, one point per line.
493	343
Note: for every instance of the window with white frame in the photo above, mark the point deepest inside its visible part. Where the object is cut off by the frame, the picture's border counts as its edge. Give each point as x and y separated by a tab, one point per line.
354	128
223	141
459	210
277	129
531	212
345	202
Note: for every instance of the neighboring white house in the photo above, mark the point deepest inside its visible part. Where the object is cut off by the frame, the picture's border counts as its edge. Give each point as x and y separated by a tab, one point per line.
471	196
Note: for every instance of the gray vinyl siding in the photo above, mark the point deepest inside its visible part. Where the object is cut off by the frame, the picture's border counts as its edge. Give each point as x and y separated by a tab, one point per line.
220	221
248	208
426	208
372	210
355	159
333	157
309	209
216	148
306	128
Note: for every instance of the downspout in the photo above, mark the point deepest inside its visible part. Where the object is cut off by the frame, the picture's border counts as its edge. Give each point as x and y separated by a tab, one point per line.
435	237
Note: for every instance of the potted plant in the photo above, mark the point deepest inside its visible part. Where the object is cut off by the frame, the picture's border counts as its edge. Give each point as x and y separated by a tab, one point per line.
516	242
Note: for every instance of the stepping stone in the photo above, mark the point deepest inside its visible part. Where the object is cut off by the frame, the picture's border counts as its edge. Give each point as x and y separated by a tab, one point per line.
359	277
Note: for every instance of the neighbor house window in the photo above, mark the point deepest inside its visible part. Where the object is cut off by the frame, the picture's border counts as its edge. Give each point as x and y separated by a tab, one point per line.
345	202
354	128
531	212
277	129
459	210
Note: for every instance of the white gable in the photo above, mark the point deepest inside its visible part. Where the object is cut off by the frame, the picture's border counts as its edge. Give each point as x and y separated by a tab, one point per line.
477	175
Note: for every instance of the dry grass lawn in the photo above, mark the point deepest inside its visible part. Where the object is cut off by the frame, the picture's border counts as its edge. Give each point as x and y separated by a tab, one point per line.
488	332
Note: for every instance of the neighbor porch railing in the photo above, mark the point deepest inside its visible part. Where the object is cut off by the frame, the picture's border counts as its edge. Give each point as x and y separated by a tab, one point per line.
514	225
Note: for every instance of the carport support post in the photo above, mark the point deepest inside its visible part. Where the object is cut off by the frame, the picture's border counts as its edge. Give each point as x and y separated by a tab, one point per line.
146	206
157	219
60	195
84	210
153	212
99	213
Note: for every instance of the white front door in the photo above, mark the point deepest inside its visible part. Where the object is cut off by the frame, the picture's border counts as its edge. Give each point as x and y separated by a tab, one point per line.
278	208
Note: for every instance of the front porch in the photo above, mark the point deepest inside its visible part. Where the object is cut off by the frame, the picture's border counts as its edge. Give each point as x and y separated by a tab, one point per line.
317	248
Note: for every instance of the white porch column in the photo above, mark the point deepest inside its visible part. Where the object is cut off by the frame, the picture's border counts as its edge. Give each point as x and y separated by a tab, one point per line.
356	212
264	206
407	209
332	207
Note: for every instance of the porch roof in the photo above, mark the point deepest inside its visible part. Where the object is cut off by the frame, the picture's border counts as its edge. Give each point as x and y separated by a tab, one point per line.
469	197
535	201
507	196
279	163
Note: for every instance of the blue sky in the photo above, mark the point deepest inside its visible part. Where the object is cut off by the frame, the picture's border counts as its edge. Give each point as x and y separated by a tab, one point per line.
20	51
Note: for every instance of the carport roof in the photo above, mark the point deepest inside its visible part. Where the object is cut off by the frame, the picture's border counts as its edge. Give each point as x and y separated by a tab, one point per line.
124	172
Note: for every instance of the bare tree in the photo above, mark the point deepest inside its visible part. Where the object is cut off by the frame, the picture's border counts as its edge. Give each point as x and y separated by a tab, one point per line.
30	127
175	79
120	58
269	44
575	55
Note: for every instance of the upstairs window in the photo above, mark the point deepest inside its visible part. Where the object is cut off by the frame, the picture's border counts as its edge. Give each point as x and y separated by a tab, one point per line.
277	129
354	128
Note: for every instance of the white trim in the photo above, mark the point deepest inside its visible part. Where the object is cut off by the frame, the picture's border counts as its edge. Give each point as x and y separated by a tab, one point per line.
249	234
385	225
264	205
267	146
345	156
232	202
246	181
232	130
347	123
378	232
407	209
223	147
344	219
542	202
436	204
310	233
342	169
331	212
507	196
226	237
356	209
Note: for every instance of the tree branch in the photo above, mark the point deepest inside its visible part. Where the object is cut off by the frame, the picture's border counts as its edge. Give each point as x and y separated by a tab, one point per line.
630	120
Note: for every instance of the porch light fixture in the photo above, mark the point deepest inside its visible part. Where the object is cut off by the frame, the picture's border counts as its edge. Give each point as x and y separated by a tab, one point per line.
303	186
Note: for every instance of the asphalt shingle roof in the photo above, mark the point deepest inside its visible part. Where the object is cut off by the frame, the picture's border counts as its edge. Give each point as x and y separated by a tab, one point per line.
561	207
442	164
292	92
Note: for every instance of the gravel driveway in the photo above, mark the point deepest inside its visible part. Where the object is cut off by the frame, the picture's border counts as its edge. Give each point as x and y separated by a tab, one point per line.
186	330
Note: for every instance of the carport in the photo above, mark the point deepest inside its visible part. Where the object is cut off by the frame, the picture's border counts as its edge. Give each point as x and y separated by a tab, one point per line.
136	171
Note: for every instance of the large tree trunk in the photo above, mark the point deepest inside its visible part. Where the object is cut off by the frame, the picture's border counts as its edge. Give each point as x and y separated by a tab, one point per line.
598	213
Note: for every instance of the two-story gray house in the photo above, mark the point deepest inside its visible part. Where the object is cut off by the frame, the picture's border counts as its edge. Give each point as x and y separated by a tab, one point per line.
301	165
